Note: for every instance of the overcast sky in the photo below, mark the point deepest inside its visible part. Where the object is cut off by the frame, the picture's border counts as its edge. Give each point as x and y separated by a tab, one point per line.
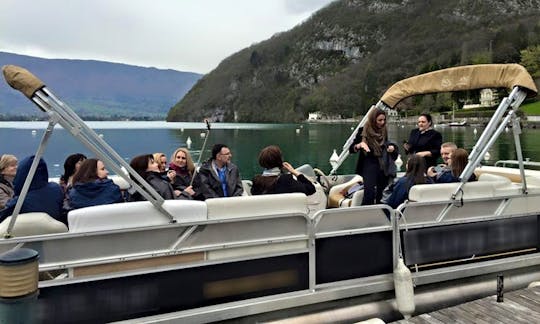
185	35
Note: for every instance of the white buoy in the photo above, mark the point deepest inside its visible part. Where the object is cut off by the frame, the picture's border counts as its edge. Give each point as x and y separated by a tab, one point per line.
34	132
298	131
352	128
182	130
402	126
506	129
188	142
487	156
203	135
399	162
403	286
334	157
100	135
475	131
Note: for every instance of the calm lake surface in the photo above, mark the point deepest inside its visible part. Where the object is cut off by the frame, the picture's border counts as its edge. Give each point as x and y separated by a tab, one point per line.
301	143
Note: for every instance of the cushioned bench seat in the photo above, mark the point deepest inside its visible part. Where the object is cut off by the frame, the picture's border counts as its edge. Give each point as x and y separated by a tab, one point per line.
28	224
133	214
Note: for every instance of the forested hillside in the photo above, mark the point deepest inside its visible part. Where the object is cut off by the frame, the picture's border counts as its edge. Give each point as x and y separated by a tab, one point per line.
98	90
341	59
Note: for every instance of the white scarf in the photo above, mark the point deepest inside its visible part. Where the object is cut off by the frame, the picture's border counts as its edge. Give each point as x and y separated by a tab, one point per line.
271	172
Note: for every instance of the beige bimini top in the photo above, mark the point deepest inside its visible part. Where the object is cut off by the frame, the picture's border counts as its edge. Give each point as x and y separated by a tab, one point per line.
461	78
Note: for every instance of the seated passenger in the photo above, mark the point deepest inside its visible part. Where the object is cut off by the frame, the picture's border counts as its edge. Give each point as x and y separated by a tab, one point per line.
273	180
8	170
396	193
218	177
91	187
148	169
456	164
43	196
71	165
161	160
182	164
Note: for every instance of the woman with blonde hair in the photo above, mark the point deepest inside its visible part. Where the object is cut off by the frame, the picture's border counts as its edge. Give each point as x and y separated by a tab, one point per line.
182	164
8	170
161	160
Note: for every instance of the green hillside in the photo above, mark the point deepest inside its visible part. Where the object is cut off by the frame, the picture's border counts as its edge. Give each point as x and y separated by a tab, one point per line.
343	58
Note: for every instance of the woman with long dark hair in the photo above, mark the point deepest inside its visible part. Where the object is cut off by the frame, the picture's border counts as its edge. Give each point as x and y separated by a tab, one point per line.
91	187
148	169
377	155
415	174
71	165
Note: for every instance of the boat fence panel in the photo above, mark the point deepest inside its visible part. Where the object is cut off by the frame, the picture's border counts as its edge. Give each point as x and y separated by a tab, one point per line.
465	242
352	243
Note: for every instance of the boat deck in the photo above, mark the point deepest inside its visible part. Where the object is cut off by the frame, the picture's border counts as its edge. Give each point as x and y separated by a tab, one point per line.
519	306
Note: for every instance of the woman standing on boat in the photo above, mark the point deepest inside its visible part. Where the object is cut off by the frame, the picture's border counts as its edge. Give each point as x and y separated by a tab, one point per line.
182	164
377	155
91	187
273	180
424	141
8	170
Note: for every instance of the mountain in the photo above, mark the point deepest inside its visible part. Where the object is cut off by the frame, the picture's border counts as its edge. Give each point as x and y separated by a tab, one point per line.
347	54
98	90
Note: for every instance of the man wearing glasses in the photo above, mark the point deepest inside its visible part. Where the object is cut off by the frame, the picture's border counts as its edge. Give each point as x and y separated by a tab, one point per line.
218	177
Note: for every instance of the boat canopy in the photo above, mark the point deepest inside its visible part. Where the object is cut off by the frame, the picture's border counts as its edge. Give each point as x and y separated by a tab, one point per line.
461	78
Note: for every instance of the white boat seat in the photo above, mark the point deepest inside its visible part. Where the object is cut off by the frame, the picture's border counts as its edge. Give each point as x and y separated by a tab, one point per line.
28	224
133	214
258	205
336	198
471	190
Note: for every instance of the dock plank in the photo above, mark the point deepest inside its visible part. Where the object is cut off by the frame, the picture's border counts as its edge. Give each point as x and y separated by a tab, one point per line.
520	306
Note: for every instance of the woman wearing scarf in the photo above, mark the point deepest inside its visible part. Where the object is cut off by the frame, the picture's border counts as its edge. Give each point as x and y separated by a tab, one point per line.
377	155
273	180
8	170
182	164
425	141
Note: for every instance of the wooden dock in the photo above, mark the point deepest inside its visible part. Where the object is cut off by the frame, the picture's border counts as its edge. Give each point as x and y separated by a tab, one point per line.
519	306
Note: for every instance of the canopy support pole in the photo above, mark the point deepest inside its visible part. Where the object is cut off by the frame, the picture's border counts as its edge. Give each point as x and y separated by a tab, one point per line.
492	132
67	118
53	120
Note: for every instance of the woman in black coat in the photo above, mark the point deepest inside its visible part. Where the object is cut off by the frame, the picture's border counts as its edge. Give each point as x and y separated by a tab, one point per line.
273	180
425	141
377	155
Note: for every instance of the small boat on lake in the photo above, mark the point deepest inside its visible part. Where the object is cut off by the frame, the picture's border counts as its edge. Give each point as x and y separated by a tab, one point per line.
270	257
458	124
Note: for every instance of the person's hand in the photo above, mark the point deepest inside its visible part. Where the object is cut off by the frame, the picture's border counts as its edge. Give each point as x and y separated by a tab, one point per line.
363	146
189	190
171	174
406	146
390	149
177	193
287	166
431	172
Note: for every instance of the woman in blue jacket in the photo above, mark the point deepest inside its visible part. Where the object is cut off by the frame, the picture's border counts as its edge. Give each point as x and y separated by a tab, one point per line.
416	174
91	187
43	196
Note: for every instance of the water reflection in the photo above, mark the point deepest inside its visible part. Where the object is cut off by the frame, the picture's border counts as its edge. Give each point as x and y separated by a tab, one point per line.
312	144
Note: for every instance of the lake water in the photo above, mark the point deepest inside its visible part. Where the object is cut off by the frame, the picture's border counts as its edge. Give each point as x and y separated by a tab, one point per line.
301	143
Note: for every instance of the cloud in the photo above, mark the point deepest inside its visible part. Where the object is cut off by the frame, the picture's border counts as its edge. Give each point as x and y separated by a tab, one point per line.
303	6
